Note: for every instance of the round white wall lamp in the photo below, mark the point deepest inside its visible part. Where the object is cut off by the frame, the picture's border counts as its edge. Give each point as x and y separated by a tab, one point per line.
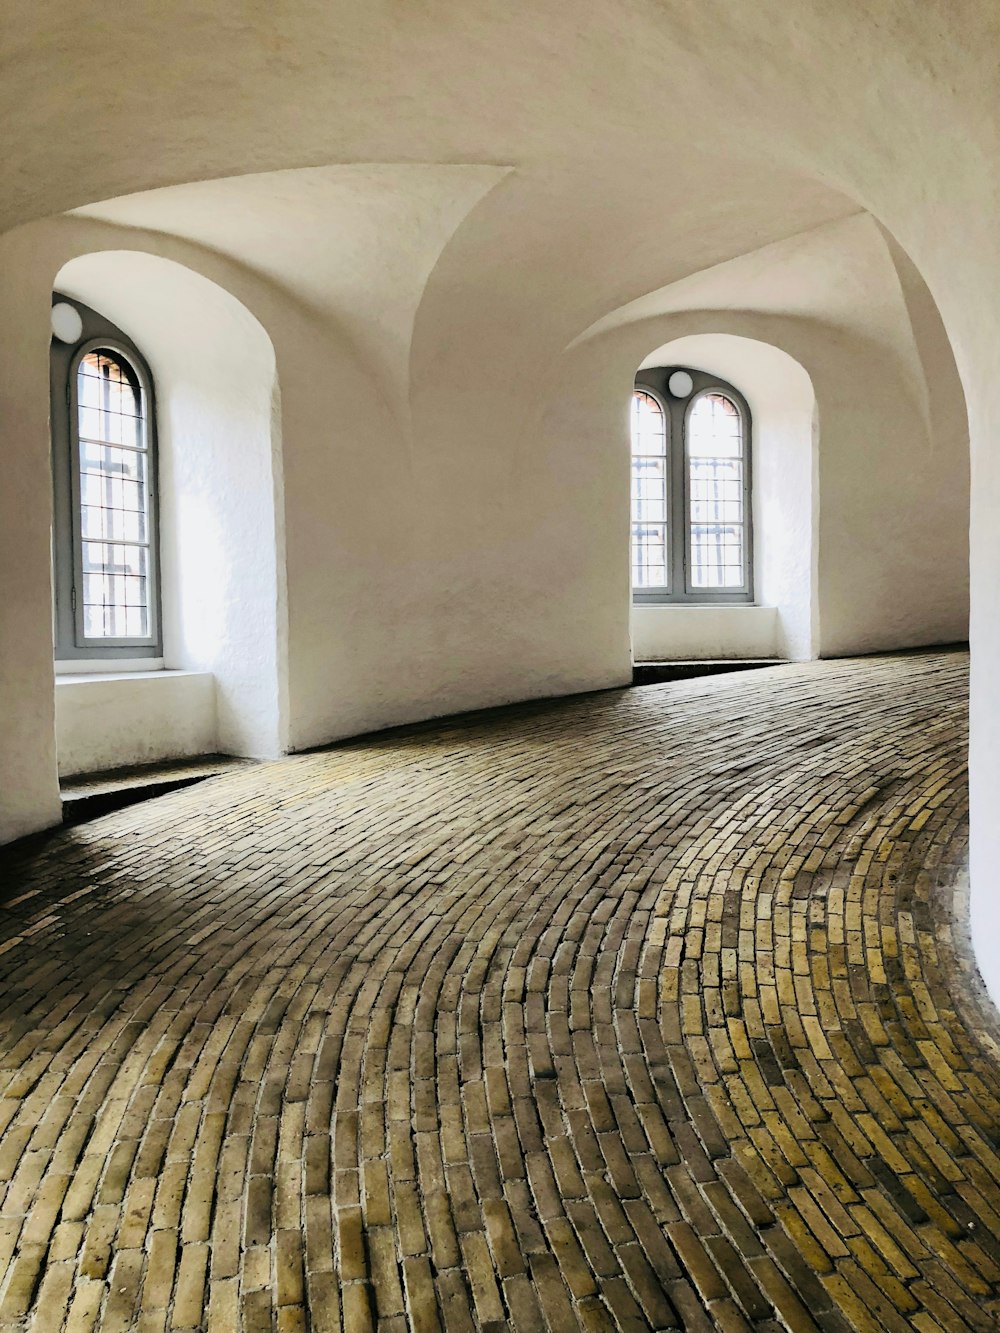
680	384
66	322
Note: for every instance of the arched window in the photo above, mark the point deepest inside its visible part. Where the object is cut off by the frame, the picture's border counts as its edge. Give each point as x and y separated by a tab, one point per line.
691	517
650	563
104	456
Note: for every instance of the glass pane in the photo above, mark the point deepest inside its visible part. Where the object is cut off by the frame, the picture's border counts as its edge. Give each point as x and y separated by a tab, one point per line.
715	488
649	426
716	555
715	428
646	468
115	590
649	493
106	461
649	511
113	524
649	555
114	499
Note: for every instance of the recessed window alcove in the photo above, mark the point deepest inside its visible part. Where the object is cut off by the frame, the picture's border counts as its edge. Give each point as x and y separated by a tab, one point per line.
739	436
197	664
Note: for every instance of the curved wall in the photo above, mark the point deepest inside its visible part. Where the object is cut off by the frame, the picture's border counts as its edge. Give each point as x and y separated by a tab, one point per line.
606	152
440	561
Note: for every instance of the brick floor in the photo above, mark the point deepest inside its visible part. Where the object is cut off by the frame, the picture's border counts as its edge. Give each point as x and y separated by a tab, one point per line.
650	1009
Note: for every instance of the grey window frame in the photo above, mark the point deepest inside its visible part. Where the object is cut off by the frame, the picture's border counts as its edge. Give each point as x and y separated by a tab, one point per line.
71	644
677	411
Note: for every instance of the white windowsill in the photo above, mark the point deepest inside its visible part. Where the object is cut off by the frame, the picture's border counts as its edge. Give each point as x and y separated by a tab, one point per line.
115	718
103	666
101	677
696	631
701	606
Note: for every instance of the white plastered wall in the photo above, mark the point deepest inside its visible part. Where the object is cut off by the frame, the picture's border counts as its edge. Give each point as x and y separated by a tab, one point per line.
443	555
114	720
29	789
781	115
704	632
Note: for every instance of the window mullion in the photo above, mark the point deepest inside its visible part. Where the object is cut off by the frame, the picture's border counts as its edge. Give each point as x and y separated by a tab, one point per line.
678	501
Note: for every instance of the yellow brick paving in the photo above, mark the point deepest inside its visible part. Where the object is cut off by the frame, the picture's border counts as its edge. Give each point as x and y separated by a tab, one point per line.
651	1009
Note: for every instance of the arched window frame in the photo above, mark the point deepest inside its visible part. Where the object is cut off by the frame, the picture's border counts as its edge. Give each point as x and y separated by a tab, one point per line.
677	412
668	478
71	642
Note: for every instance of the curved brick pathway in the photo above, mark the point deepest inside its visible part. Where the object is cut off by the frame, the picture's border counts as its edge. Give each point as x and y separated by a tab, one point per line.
642	1010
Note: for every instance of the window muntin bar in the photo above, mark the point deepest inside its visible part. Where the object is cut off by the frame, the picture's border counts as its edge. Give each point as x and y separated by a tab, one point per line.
650	493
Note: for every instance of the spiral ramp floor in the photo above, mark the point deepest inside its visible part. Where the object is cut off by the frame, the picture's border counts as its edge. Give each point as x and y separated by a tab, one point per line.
649	1009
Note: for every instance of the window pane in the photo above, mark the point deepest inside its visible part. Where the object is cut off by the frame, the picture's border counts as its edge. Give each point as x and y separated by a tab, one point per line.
715	428
114	499
649	427
105	461
649	493
649	511
649	555
115	590
716	555
717	540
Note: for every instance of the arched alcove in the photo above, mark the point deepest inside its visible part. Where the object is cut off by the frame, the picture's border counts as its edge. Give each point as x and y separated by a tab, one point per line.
221	516
892	494
783	623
